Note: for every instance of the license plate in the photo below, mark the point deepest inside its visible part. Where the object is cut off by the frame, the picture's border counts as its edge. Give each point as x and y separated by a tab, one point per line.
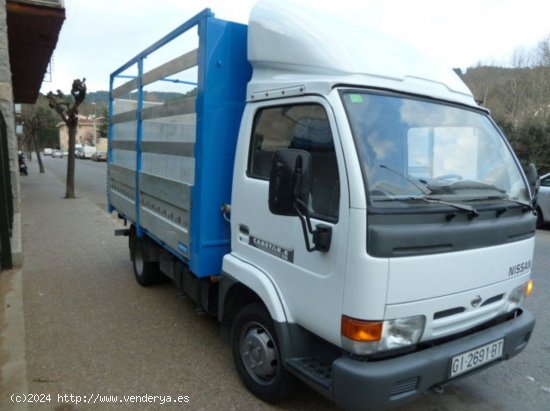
476	358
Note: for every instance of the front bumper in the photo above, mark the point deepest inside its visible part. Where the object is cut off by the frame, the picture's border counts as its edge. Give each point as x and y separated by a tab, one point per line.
377	385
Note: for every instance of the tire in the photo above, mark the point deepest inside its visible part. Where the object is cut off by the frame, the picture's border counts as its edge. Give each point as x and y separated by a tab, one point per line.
146	273
540	219
132	239
257	355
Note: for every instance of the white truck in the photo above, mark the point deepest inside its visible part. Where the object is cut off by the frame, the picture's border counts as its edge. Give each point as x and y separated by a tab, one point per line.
84	151
342	205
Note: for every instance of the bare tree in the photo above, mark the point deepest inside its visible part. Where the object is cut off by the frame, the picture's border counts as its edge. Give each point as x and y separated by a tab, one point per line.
543	52
69	114
521	57
519	100
33	123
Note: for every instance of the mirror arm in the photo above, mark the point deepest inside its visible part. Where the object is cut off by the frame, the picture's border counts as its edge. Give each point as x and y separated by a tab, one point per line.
322	235
534	182
306	224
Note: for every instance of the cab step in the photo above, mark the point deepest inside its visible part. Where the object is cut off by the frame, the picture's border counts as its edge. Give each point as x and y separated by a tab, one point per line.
314	369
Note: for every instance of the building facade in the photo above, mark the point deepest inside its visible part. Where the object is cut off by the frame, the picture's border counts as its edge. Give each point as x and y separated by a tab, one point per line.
29	30
87	133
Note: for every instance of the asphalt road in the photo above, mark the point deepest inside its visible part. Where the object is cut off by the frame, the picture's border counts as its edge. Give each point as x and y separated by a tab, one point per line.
133	340
90	178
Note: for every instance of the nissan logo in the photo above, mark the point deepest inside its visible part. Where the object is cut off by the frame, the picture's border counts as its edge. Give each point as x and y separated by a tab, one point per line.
476	301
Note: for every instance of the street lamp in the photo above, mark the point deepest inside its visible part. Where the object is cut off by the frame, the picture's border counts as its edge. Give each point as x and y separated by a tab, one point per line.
93	122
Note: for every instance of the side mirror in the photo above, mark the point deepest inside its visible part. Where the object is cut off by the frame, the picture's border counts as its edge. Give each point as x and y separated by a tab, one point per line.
533	180
289	181
289	191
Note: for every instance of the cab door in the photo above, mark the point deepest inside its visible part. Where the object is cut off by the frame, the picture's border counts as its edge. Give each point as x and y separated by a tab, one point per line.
311	283
544	199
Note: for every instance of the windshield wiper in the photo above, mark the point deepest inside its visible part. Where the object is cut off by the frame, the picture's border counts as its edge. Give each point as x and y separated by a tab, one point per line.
462	207
407	179
462	185
500	211
472	212
528	206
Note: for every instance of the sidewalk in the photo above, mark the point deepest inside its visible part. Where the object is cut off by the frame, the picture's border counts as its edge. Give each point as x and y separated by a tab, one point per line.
91	330
65	242
61	239
13	363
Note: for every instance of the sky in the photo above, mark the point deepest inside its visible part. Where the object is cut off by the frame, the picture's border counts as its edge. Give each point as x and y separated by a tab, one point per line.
99	36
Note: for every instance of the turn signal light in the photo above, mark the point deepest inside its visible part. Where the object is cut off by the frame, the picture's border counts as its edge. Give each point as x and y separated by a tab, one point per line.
358	330
530	287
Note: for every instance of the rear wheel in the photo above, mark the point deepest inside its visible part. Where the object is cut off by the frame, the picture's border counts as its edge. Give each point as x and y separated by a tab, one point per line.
257	354
146	272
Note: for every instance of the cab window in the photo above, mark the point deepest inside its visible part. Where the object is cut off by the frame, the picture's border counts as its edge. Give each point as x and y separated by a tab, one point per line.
305	127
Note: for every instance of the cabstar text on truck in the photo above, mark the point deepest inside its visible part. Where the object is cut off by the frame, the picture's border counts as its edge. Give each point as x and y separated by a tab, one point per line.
342	205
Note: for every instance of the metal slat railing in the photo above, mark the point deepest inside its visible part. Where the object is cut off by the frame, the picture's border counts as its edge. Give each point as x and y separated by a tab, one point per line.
6	200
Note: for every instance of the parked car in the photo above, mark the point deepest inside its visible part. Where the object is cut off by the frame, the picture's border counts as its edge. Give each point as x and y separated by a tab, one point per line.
543	200
57	154
48	151
99	156
87	152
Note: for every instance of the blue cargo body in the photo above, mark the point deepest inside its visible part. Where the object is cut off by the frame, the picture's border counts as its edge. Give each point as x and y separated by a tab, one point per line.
171	162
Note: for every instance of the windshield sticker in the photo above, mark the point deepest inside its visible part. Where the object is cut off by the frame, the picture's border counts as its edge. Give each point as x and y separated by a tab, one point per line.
356	98
279	252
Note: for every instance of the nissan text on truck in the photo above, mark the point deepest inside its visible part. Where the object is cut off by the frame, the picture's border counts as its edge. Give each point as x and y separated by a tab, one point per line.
343	206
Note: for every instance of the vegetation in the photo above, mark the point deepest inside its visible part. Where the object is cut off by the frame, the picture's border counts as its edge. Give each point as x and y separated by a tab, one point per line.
518	97
47	135
519	100
32	118
103	129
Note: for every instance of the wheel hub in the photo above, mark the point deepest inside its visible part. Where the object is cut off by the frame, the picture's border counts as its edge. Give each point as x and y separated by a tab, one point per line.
259	353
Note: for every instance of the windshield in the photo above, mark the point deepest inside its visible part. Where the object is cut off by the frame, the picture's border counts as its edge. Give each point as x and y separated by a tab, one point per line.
413	150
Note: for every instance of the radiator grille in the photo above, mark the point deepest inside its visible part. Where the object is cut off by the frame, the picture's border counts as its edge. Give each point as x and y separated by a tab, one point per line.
404	387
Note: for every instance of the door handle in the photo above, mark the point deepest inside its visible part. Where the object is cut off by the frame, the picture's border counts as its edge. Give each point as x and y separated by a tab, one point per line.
244	233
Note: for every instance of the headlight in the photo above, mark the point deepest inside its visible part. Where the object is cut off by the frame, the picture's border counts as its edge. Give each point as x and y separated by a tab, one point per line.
367	337
402	332
518	294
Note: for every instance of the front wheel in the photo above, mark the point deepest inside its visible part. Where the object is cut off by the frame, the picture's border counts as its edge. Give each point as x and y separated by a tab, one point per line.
257	355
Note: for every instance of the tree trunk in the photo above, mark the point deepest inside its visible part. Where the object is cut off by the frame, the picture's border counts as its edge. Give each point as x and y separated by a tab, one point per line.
39	158
40	164
71	162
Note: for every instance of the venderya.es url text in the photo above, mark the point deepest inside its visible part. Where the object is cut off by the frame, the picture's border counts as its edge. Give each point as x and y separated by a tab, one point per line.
95	398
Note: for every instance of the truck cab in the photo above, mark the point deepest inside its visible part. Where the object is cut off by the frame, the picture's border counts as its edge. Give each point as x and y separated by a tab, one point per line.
431	228
341	204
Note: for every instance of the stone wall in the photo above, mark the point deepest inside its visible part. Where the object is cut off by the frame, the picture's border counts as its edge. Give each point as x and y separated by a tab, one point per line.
7	108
